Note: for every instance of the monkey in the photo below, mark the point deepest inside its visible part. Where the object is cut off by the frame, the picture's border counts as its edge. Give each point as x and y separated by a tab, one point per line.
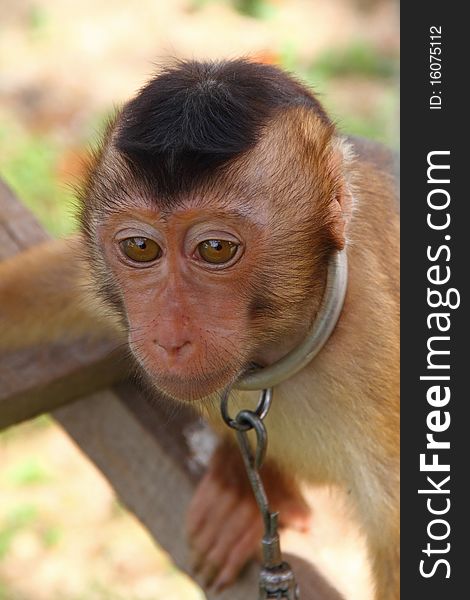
208	218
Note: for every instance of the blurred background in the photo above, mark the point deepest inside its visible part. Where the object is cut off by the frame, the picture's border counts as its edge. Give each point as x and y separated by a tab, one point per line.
64	66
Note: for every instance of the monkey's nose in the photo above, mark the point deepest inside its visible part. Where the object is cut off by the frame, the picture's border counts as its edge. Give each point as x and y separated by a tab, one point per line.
173	348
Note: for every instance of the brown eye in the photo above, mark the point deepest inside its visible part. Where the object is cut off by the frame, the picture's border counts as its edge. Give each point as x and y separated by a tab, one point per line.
141	249
217	251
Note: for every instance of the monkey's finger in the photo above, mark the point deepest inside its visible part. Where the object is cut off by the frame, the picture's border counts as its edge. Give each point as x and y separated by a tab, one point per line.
215	524
209	573
205	497
238	557
196	560
233	529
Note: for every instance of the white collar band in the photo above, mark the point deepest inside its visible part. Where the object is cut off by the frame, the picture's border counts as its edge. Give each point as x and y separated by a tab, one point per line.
325	322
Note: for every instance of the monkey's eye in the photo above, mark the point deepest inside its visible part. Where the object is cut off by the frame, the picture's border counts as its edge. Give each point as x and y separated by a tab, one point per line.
141	249
217	252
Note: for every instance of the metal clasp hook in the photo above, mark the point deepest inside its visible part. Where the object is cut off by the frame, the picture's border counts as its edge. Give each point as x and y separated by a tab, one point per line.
276	578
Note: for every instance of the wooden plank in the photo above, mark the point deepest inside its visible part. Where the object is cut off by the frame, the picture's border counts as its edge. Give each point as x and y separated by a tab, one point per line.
37	380
19	229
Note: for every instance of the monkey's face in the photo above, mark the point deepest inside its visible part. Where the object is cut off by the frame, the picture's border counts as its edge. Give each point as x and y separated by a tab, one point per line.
186	282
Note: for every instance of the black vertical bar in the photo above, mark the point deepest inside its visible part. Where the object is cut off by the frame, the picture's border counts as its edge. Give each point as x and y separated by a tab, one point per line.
434	118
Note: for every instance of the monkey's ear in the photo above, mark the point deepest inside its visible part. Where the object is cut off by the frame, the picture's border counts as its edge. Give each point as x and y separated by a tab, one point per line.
332	158
342	202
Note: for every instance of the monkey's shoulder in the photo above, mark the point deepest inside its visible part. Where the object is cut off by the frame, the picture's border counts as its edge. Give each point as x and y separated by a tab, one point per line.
377	154
381	164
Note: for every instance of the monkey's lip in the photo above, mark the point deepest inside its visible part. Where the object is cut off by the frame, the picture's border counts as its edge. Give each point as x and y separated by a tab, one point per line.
191	388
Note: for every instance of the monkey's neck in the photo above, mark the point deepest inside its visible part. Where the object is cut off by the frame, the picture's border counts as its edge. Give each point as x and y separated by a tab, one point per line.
297	333
272	352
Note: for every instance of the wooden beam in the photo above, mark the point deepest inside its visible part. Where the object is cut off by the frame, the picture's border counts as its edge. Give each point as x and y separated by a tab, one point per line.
19	229
37	380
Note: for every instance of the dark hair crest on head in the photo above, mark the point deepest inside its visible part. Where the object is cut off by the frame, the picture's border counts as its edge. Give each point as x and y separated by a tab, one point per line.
194	117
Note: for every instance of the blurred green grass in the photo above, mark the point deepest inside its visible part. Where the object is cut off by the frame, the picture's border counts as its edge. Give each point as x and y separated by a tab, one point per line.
353	64
27	472
22	517
28	163
257	9
357	58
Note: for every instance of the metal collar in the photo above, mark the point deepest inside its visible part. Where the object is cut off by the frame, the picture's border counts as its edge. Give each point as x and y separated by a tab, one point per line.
325	321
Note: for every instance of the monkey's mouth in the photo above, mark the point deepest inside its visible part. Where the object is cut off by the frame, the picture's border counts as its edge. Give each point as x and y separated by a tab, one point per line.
189	388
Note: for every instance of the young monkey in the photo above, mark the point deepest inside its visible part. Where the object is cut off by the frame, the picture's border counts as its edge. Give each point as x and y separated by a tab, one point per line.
210	214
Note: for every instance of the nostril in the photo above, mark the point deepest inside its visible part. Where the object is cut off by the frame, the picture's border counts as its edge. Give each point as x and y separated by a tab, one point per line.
172	347
183	346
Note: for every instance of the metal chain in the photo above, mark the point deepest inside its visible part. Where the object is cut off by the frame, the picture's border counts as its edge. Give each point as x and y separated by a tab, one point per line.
276	579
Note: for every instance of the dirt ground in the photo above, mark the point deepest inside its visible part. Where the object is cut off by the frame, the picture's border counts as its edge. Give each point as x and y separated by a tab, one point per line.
63	65
64	535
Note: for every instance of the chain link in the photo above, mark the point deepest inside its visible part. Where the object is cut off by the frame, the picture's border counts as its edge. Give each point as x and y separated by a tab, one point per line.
260	411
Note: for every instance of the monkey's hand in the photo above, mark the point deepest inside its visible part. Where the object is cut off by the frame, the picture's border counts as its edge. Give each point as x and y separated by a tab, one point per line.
224	524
